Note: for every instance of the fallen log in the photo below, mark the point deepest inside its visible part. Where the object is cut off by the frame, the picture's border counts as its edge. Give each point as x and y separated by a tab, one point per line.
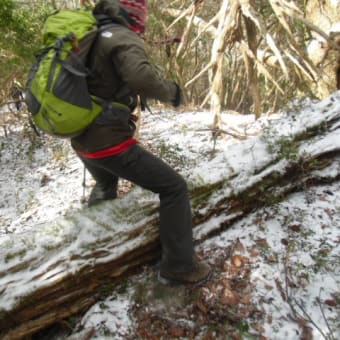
58	269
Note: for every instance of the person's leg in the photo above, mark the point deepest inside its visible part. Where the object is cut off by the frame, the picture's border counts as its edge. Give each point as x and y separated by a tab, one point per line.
106	183
148	171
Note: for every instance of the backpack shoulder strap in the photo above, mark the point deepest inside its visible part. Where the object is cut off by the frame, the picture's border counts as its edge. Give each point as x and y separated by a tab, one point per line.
103	22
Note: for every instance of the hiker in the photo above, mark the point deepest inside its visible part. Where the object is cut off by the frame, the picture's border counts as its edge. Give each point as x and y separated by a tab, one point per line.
121	71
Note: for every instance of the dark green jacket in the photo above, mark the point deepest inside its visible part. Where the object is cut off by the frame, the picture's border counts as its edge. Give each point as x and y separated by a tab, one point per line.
121	72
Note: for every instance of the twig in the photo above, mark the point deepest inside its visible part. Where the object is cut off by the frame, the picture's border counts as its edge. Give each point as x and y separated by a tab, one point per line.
331	335
309	318
10	102
217	131
205	69
288	298
291	302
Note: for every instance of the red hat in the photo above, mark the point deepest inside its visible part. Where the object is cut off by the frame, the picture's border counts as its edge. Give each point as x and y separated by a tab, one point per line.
137	11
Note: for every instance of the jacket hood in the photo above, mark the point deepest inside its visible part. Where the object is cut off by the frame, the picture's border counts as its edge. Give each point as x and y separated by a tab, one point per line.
112	9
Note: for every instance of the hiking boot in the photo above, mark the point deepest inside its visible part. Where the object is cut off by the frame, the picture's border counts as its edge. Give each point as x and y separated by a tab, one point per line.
99	195
199	273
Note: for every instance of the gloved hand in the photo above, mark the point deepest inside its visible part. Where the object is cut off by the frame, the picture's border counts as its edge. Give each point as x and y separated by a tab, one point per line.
178	97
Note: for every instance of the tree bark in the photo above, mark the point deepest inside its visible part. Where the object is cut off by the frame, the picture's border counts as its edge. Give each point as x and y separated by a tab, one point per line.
253	85
58	270
324	15
228	17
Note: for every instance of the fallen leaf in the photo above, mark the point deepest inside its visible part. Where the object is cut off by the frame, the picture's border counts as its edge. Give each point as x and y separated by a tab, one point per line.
272	258
176	331
238	246
268	287
284	241
237	260
307	333
253	251
262	242
330	302
295	227
258	327
258	219
229	297
223	283
246	298
44	180
270	319
201	307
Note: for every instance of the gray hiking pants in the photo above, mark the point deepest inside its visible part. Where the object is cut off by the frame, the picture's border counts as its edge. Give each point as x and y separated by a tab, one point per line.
150	172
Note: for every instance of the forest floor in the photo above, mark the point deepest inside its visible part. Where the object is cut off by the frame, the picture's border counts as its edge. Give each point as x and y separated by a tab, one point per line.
275	272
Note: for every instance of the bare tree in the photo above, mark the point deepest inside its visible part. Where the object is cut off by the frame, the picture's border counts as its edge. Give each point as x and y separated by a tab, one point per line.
257	59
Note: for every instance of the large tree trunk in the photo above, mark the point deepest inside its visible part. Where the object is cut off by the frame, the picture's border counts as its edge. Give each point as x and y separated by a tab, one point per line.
228	17
57	270
253	84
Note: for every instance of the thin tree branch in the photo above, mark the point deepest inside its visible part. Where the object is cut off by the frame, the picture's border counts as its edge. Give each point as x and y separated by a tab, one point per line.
205	69
324	316
309	318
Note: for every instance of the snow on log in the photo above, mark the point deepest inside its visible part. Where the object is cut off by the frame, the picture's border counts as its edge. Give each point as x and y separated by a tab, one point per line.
57	269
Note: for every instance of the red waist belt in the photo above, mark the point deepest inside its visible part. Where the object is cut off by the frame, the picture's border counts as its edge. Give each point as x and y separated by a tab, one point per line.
111	151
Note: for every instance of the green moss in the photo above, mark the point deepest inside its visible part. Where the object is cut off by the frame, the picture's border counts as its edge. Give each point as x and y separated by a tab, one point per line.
201	195
10	256
106	290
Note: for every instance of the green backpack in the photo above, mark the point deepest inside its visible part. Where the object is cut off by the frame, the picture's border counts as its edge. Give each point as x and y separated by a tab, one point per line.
57	95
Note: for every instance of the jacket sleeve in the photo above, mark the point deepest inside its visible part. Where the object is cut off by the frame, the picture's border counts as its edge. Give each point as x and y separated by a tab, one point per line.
135	70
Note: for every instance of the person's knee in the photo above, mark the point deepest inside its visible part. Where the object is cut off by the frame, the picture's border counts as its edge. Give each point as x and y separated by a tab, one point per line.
180	186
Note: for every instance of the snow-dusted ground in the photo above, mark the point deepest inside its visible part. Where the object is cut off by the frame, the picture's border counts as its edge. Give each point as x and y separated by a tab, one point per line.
292	247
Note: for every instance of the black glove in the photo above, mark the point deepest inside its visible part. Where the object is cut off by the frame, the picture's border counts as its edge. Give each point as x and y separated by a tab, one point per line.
178	97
